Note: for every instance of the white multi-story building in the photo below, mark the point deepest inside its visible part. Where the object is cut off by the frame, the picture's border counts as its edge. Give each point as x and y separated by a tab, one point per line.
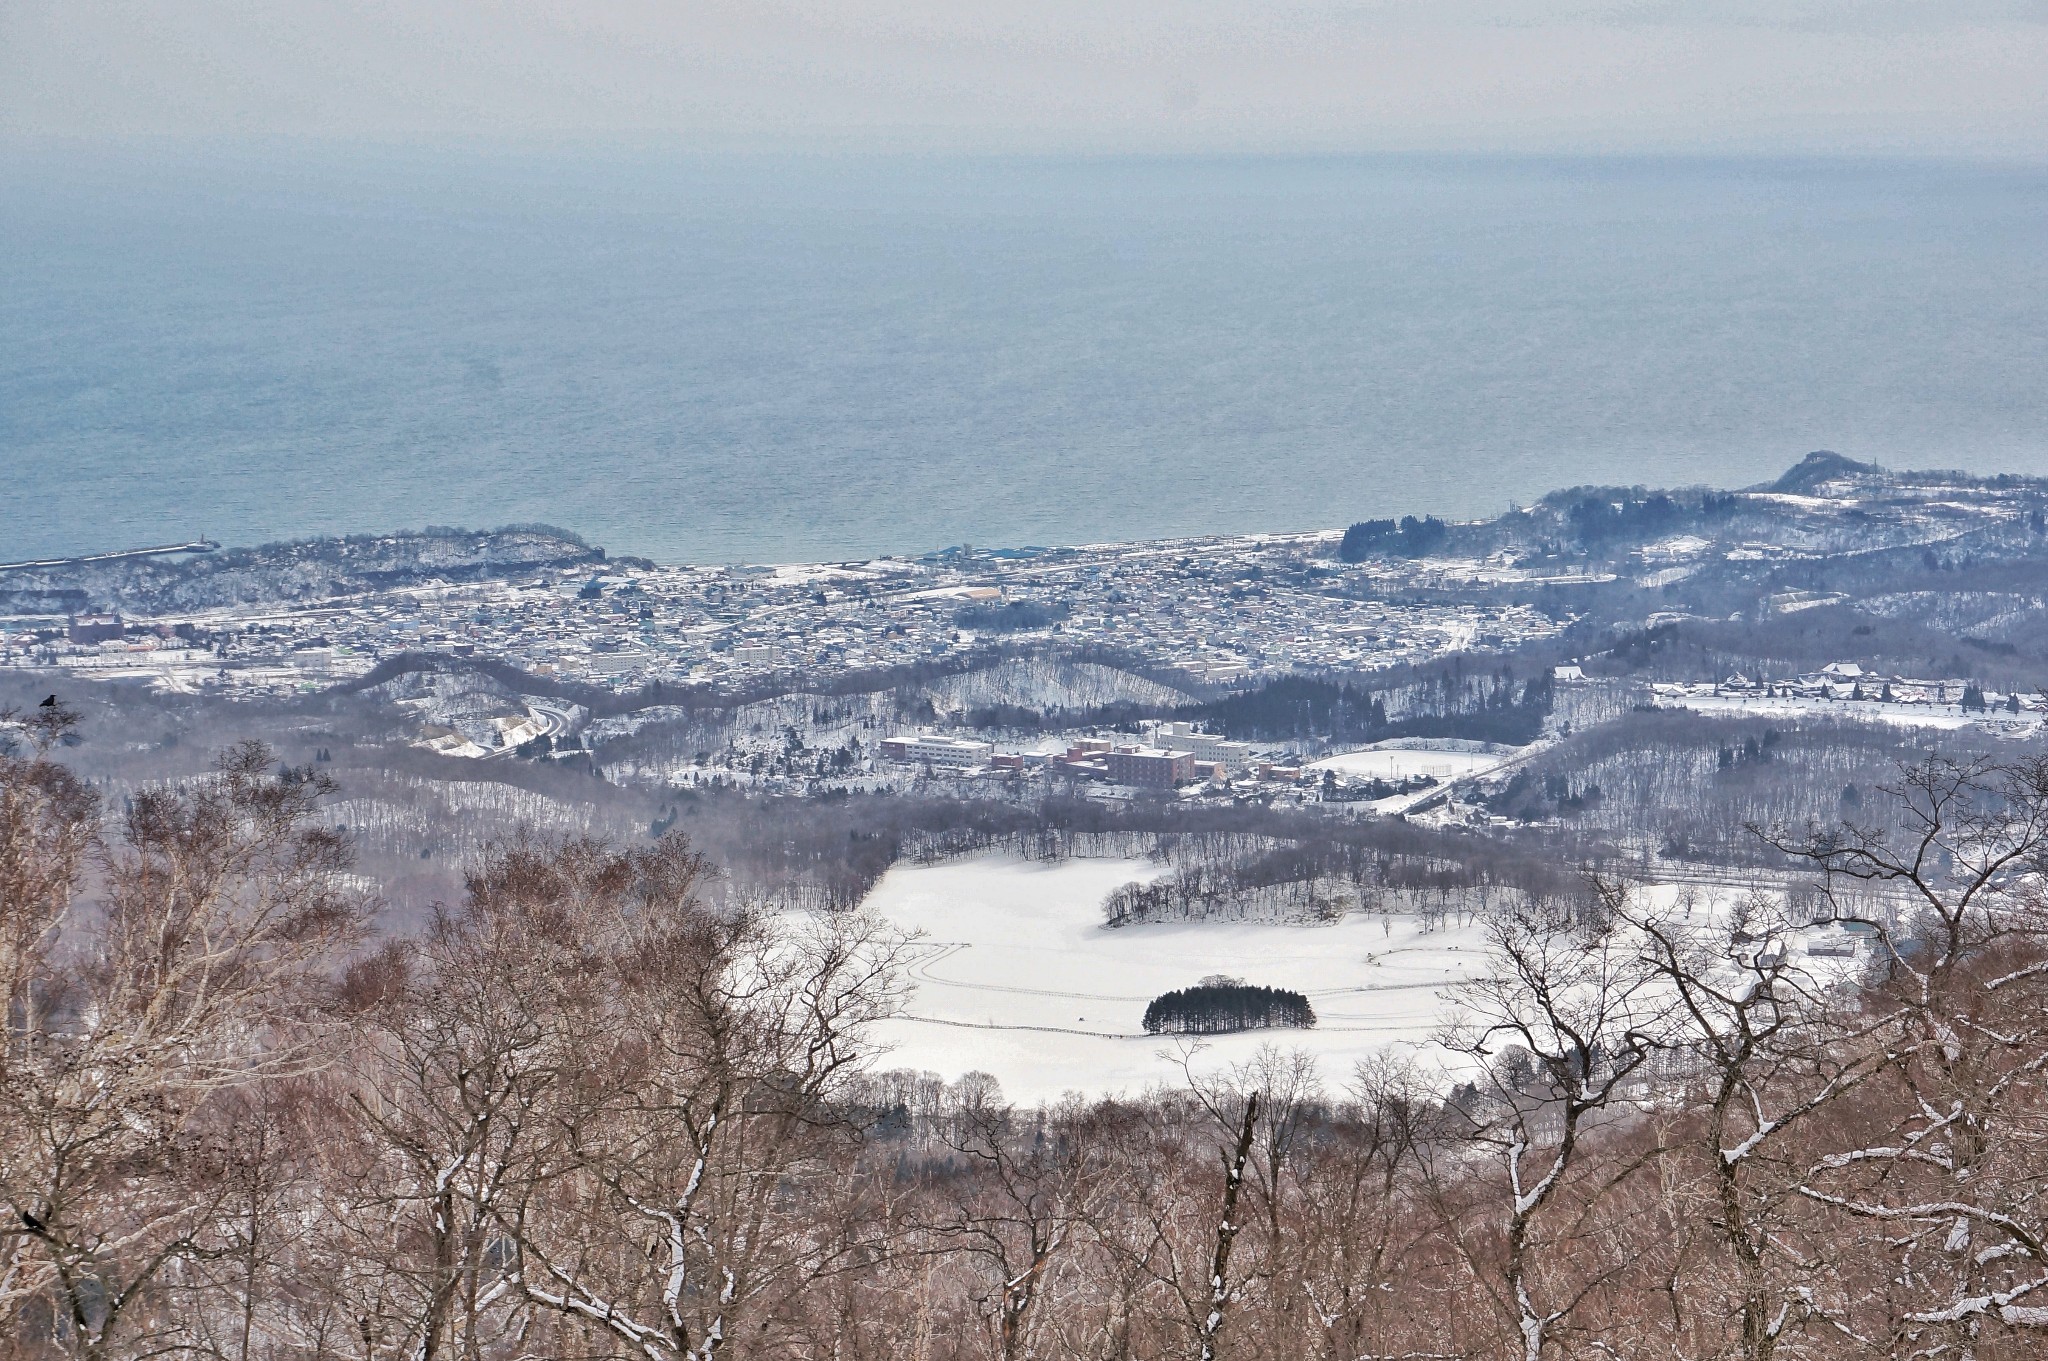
1203	746
931	749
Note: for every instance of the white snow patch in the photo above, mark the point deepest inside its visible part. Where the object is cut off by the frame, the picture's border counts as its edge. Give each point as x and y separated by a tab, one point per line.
1786	498
1395	764
1943	716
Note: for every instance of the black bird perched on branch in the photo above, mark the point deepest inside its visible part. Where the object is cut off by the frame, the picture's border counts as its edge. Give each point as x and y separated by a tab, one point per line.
49	703
31	1223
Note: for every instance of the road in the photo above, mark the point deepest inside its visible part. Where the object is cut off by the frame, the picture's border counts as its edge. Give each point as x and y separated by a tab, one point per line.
556	721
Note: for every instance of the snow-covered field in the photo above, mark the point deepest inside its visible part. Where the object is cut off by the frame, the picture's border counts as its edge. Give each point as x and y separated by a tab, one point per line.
1017	976
1391	763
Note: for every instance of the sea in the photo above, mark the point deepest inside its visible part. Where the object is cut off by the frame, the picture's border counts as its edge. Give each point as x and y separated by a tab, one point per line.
767	358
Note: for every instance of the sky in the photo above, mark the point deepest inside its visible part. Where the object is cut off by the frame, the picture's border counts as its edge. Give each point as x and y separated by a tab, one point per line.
1963	77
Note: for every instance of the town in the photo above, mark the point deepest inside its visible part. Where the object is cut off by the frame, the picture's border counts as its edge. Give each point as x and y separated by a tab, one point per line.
1207	611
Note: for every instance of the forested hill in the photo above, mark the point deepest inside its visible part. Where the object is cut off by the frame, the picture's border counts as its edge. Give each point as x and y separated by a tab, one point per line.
299	570
1486	707
1825	503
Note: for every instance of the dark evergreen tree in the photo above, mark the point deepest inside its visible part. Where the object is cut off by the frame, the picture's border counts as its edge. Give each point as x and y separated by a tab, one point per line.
1365	537
1218	1008
1410	538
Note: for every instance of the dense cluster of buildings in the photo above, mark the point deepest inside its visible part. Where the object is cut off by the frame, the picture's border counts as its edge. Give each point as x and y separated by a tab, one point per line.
1170	756
1852	691
1216	611
938	751
1131	764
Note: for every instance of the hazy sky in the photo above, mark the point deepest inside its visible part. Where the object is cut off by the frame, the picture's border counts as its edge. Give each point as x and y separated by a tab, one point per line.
1918	75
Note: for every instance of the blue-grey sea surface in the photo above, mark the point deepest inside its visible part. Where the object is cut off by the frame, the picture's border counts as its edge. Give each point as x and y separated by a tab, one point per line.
785	358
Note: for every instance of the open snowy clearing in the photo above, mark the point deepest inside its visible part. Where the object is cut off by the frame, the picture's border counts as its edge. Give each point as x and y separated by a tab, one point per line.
1017	976
1385	763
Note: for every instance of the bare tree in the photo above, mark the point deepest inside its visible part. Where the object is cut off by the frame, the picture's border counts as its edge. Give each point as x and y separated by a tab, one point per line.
1289	1091
1376	1278
1760	1044
1223	1292
478	1035
1945	1160
1030	1182
1570	1005
674	1214
200	973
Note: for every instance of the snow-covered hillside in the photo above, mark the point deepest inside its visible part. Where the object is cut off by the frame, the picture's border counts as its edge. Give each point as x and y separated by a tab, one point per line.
1048	683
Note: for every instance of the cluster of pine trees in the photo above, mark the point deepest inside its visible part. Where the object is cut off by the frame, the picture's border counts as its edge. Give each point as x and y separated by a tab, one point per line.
1409	538
1223	1006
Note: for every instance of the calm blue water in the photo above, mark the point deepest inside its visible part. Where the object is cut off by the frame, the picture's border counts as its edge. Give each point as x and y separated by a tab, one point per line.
783	359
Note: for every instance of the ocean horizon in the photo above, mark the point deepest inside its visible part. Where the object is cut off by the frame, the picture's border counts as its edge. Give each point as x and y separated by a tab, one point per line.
772	358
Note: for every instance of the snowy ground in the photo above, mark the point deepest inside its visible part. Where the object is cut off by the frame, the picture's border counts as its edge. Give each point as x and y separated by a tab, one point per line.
1387	763
1017	976
1948	717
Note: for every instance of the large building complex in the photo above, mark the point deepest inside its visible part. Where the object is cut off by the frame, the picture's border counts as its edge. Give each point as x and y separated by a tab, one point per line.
1088	758
86	629
949	753
1150	767
1235	756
